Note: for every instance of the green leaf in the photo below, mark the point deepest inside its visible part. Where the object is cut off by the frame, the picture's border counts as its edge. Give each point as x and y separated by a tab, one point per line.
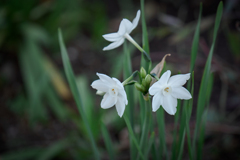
23	154
195	43
204	82
161	131
127	72
108	142
76	95
145	63
132	136
54	149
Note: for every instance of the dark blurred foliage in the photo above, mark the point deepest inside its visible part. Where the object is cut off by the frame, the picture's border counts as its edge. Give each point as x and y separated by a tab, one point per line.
37	111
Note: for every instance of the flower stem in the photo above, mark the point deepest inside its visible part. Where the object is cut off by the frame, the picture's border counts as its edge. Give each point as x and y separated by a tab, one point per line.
146	56
145	127
133	136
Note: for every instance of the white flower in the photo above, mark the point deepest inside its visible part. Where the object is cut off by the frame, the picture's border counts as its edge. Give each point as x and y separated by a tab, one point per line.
125	29
167	90
114	93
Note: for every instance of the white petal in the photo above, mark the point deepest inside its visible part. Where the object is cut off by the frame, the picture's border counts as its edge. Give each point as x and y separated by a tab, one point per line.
118	83
156	87
164	78
178	80
157	101
120	106
112	37
108	101
106	79
123	96
181	93
170	104
135	20
125	27
100	85
114	44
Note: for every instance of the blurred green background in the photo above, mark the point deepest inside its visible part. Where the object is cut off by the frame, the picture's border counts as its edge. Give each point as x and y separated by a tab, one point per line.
38	116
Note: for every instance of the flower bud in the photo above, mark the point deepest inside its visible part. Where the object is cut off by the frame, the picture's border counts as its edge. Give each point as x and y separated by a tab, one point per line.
148	80
139	87
144	83
143	72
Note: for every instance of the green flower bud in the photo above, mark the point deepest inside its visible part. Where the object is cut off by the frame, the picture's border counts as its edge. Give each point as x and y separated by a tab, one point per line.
143	72
148	80
144	83
140	87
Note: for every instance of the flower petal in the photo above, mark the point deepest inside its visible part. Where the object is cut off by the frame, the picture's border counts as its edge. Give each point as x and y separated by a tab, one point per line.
100	85
112	37
178	80
170	104
135	20
114	44
180	93
157	101
164	78
120	106
156	87
106	79
125	27
108	101
123	96
119	84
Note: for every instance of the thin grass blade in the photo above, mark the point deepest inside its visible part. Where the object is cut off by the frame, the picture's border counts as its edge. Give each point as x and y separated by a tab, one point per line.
203	87
108	142
73	86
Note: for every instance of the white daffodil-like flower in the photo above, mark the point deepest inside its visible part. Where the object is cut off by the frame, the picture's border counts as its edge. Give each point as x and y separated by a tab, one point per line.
125	29
114	93
167	90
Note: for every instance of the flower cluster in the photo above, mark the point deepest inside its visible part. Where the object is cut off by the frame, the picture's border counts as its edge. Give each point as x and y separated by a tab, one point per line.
165	91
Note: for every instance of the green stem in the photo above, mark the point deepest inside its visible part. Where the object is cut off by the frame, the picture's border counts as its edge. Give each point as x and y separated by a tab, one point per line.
146	56
132	136
146	126
161	128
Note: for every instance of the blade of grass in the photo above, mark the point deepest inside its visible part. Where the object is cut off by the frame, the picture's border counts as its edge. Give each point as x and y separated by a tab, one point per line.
203	87
132	136
23	154
127	72
204	119
145	127
108	142
145	64
150	144
195	43
176	119
54	149
76	95
161	129
188	115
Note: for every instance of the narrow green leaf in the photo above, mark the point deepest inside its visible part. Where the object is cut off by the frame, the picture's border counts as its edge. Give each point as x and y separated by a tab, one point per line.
145	126
132	136
54	149
108	142
188	115
203	87
161	129
127	72
145	63
195	43
150	144
76	95
23	154
175	133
